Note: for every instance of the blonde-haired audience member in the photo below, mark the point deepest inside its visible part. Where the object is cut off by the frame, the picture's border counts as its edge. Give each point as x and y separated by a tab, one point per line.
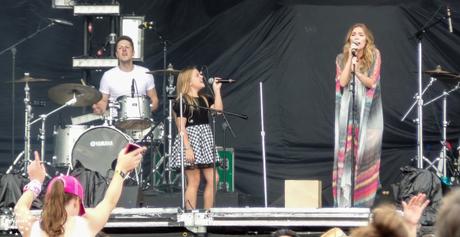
448	221
387	221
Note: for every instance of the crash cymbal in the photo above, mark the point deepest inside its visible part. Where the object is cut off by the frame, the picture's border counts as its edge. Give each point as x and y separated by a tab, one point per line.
86	95
167	71
28	79
439	73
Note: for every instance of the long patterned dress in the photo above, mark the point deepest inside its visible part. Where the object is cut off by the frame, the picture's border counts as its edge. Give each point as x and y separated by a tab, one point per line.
367	143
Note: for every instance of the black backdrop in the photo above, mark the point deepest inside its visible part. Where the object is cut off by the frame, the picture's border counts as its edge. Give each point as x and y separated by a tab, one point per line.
288	45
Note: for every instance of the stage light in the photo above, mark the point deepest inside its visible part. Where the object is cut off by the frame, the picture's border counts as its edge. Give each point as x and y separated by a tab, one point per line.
62	4
109	9
94	63
129	26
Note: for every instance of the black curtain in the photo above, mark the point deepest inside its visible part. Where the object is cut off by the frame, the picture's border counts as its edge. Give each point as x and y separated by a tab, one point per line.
290	46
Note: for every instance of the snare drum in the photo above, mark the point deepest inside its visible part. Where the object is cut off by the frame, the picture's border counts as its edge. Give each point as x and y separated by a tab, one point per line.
133	112
64	138
98	147
156	136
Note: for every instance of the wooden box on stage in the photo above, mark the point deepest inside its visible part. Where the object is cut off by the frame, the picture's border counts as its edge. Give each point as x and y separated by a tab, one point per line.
226	169
302	193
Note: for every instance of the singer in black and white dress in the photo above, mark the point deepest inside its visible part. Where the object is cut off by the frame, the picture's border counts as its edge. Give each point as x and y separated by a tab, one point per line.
199	149
126	77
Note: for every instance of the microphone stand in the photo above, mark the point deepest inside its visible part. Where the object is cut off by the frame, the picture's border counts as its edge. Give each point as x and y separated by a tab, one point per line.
226	125
214	112
13	49
353	161
419	35
168	95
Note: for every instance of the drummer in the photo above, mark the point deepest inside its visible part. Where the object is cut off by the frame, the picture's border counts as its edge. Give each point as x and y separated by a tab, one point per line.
127	79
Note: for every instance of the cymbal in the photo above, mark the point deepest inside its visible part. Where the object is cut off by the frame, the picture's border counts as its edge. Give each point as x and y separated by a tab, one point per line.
28	79
439	73
86	95
167	71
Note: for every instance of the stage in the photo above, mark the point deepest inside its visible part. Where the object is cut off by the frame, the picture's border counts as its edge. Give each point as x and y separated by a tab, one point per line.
230	221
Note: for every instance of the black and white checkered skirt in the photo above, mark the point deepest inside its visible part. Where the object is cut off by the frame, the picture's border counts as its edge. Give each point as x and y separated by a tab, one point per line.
202	143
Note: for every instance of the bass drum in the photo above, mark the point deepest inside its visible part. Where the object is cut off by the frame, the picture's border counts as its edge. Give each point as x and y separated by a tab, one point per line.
98	147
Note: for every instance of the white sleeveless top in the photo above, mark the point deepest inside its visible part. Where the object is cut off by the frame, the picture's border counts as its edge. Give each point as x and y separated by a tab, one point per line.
80	228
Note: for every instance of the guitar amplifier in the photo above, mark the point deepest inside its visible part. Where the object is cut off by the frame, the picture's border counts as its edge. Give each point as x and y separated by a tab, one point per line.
226	169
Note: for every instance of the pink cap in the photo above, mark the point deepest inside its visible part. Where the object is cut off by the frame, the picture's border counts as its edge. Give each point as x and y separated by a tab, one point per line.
71	186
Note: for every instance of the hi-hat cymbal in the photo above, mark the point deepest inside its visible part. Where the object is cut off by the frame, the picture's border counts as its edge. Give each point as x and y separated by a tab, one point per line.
86	95
28	79
168	71
439	73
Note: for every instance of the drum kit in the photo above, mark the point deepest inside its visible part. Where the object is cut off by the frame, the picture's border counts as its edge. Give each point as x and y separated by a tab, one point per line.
127	120
447	168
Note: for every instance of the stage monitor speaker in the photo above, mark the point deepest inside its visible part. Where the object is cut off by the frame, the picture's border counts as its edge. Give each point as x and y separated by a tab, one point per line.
130	197
226	169
302	193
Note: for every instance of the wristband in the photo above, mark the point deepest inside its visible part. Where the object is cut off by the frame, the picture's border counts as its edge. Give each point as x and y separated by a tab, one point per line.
34	186
121	173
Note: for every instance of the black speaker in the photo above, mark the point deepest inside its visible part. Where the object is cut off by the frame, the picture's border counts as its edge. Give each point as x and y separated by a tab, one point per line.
130	197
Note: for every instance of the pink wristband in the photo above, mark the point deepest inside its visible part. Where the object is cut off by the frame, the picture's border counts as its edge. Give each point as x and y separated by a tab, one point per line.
35	186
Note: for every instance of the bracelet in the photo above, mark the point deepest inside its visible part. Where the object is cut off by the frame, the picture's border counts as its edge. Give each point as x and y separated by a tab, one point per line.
121	173
34	186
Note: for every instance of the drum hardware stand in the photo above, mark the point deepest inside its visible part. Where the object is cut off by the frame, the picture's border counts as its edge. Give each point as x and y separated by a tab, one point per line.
417	120
419	36
108	117
18	158
432	79
154	151
170	89
43	118
13	49
27	118
442	159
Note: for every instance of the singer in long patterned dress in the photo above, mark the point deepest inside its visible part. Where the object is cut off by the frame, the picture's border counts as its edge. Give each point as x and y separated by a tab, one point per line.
359	55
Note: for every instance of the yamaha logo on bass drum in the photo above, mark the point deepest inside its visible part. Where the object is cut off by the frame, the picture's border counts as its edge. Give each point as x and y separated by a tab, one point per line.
100	143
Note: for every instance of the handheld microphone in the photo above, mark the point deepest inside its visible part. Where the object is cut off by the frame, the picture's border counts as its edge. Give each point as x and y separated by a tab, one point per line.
354	50
449	20
132	88
148	25
60	22
212	80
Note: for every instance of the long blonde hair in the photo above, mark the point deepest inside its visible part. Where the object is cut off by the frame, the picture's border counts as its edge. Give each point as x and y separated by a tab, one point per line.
369	49
183	87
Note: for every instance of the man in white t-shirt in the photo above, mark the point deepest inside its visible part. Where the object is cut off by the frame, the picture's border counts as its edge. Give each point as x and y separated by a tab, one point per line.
121	80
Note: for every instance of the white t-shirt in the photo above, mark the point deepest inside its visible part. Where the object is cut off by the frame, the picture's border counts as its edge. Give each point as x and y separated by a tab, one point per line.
116	82
80	228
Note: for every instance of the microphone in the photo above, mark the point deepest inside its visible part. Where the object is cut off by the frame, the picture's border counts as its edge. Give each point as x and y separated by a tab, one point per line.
132	88
60	22
449	20
146	25
212	80
354	50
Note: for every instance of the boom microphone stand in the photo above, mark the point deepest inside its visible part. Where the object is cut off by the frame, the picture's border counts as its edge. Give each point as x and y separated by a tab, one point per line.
215	112
419	35
13	49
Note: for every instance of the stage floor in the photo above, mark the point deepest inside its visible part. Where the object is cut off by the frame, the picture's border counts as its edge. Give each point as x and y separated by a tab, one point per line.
254	221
